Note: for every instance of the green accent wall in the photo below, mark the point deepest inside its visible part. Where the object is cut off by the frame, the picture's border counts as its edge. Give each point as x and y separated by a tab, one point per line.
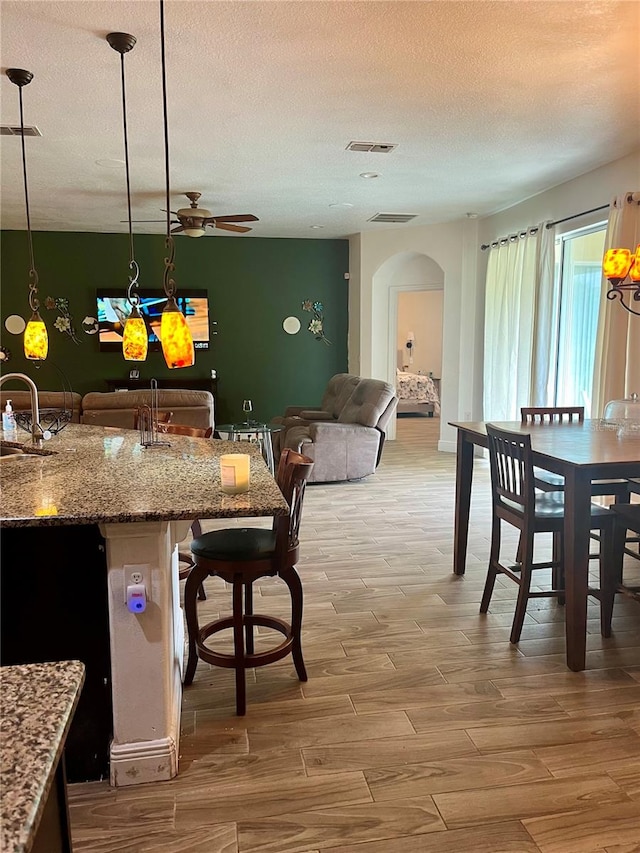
253	284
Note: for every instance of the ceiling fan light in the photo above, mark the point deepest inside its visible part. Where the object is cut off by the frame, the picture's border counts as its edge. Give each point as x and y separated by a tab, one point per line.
616	264
175	337
36	339
193	232
135	341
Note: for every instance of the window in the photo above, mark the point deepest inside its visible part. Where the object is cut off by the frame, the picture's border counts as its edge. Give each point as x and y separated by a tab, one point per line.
578	271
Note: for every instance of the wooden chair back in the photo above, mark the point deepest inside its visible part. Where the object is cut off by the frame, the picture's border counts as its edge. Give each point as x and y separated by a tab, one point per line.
294	470
557	414
163	418
184	429
512	478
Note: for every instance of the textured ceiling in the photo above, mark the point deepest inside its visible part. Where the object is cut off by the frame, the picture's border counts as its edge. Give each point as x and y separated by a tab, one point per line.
488	102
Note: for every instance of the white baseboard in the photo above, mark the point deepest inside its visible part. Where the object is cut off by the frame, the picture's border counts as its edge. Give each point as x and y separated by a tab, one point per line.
147	761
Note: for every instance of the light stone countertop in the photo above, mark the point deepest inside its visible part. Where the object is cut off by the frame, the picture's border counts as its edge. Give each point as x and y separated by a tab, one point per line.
37	702
102	475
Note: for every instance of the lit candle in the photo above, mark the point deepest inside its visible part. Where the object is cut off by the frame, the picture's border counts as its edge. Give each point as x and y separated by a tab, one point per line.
234	473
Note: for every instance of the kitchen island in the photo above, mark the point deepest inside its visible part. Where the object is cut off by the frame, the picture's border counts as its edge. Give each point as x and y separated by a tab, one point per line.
37	703
143	501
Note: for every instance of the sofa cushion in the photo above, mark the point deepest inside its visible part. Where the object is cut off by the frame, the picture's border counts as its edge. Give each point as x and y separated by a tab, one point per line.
366	405
118	408
64	400
339	451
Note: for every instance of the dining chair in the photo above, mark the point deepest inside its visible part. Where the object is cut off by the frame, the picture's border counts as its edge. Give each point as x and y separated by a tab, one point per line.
163	418
626	517
515	501
184	429
547	481
240	556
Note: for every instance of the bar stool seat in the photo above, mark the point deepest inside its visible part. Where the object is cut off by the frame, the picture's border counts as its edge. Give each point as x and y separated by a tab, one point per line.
240	556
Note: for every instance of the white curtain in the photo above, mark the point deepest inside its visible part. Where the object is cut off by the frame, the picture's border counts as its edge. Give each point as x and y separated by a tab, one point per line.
518	324
617	360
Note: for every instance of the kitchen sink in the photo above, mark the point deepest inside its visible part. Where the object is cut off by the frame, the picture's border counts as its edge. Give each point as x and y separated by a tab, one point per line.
9	450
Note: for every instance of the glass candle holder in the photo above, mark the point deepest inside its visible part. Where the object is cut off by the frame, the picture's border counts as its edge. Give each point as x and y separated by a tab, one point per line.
235	473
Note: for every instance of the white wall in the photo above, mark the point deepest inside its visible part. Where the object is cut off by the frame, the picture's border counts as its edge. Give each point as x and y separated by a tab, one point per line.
455	248
420	312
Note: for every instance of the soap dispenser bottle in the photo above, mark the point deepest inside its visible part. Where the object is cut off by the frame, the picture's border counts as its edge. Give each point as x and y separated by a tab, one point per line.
9	424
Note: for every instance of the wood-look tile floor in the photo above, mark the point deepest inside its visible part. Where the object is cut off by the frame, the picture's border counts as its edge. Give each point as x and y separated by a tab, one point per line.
421	729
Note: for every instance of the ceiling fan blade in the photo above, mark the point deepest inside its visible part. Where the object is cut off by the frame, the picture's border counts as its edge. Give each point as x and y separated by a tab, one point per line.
142	220
237	217
177	230
227	227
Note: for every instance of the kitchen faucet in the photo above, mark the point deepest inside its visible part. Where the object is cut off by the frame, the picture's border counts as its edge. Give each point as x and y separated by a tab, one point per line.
37	433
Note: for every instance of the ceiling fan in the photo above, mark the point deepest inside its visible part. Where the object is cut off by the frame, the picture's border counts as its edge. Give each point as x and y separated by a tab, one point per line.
193	220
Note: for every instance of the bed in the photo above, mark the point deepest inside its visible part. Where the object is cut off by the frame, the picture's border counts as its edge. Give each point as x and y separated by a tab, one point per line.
417	394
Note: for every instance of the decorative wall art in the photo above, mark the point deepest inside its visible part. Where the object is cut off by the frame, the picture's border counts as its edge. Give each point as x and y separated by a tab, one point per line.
15	324
316	326
64	321
291	325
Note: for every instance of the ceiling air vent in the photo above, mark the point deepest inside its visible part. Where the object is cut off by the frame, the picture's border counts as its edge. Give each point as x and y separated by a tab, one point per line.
393	217
16	130
375	147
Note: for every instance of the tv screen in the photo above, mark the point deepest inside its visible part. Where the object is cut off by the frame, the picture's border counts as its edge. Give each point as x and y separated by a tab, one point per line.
113	310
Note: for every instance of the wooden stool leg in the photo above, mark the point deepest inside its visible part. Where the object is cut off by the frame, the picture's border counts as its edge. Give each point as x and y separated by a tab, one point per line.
523	591
494	557
292	580
248	611
238	645
611	559
557	572
194	580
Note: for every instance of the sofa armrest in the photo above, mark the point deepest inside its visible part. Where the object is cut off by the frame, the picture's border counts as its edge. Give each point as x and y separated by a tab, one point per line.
293	411
319	431
316	415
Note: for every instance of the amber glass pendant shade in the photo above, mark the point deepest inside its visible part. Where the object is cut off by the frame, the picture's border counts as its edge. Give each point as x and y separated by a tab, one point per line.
135	341
616	264
175	335
634	272
36	339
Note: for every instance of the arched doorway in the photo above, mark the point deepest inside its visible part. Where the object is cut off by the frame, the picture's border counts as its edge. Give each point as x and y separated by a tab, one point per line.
405	271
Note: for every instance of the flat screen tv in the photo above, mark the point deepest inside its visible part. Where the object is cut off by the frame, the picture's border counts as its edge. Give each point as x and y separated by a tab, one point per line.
113	309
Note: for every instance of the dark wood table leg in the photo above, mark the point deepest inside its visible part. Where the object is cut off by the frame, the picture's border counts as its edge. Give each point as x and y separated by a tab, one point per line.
577	487
464	476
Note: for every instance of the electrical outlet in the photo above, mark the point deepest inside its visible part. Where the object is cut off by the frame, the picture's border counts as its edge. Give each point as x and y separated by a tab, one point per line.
135	573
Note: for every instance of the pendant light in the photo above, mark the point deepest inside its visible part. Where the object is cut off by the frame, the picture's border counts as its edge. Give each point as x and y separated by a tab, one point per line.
175	335
36	340
135	341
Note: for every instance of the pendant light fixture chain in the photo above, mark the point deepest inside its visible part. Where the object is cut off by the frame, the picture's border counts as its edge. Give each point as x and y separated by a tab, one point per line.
22	78
169	266
123	43
36	339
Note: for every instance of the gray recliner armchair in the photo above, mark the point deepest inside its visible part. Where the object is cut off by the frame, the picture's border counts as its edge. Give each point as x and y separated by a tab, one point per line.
338	391
348	447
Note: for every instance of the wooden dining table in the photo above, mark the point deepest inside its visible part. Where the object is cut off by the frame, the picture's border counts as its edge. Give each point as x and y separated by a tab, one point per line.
579	452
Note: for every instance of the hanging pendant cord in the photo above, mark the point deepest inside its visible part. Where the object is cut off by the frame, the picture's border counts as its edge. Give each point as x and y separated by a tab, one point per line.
33	275
126	155
168	283
132	297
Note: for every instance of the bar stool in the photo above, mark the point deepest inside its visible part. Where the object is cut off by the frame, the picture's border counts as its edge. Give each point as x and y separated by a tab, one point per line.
240	556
